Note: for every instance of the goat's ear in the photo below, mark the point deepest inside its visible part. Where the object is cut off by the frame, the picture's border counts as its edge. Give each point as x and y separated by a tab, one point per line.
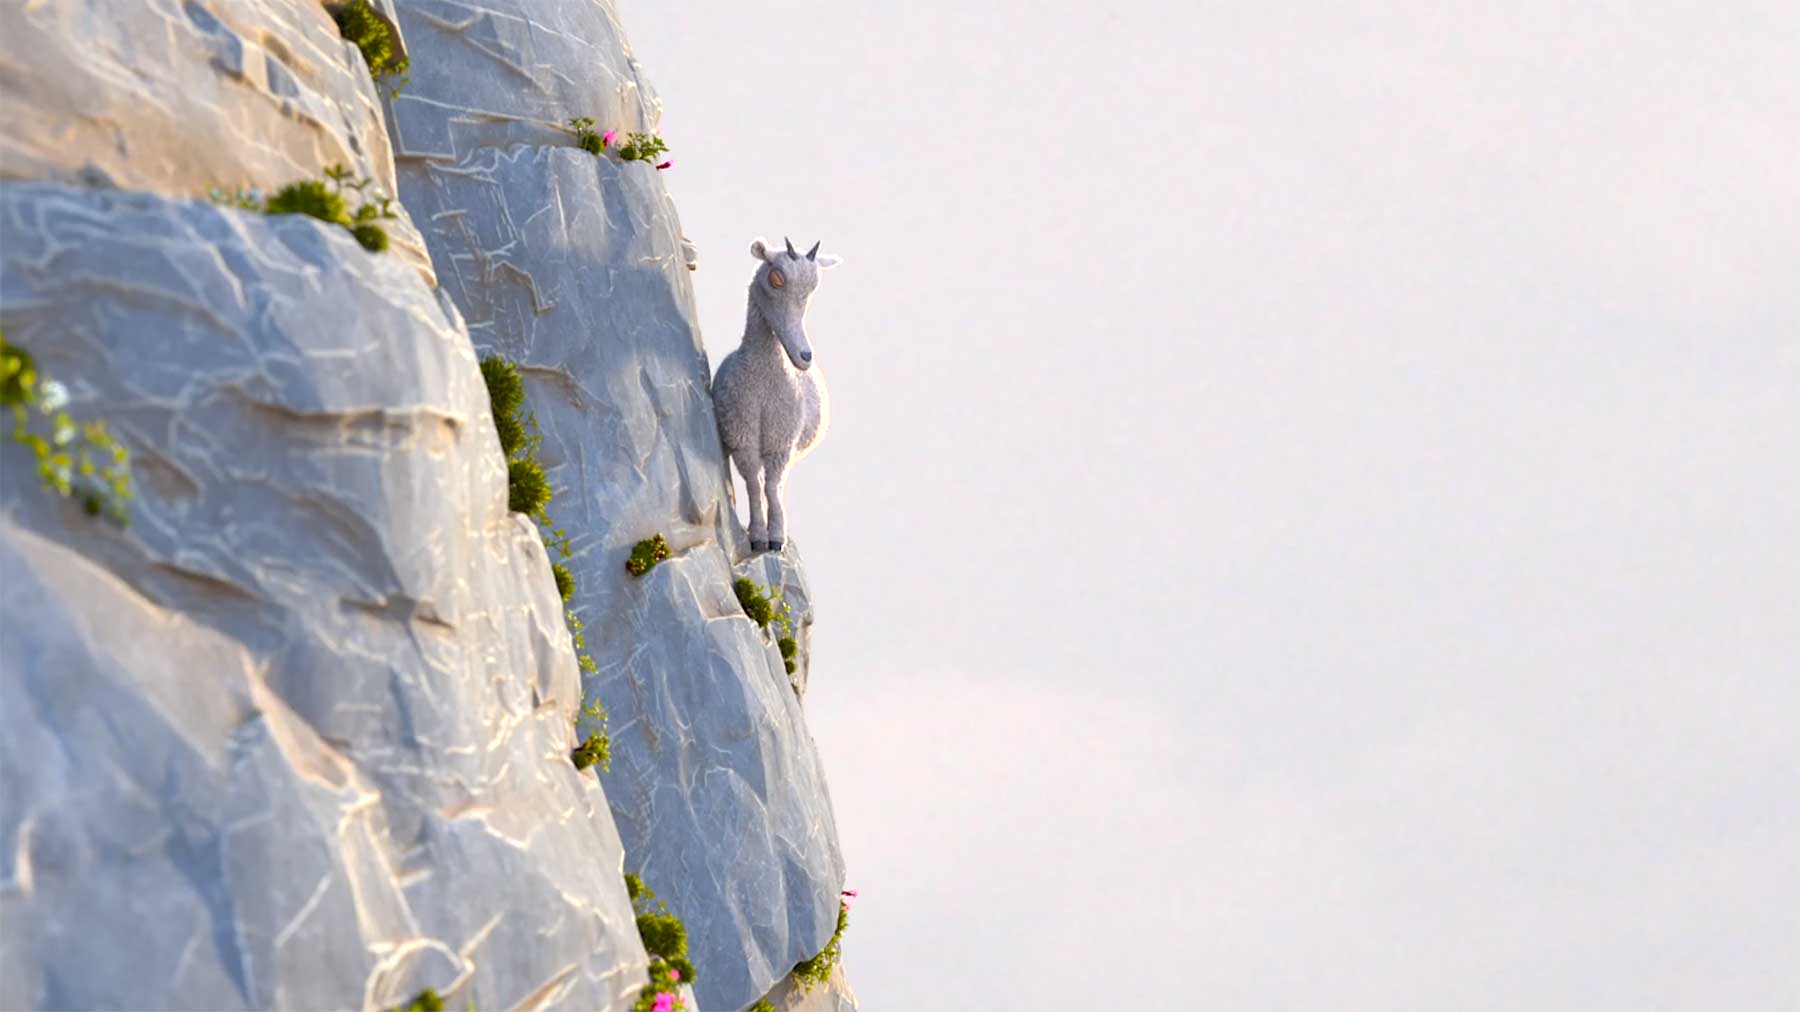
827	261
759	248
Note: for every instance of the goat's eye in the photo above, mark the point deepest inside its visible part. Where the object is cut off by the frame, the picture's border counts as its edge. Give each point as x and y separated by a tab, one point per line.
776	280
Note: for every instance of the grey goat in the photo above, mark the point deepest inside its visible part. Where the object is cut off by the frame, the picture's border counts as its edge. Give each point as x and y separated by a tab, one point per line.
769	396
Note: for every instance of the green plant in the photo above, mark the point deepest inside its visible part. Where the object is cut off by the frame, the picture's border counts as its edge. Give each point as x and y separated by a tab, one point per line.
646	554
359	23
810	973
565	580
425	1001
316	199
79	461
665	939
506	395
527	490
642	147
590	141
765	608
596	747
762	1005
755	603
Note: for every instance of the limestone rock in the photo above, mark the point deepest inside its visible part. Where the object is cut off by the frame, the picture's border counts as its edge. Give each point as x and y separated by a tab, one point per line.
297	738
573	267
834	995
181	96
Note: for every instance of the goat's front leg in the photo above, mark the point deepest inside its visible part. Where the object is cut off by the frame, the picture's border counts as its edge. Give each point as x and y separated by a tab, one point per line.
775	480
750	466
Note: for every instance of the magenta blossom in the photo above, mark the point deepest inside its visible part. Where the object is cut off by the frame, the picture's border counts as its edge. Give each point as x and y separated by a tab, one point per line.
608	137
674	974
665	165
665	1002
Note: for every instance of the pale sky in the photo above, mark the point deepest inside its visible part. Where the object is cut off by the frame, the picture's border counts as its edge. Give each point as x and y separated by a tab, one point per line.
1312	513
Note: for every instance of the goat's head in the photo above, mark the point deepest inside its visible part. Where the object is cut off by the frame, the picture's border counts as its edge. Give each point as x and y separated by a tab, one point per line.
783	283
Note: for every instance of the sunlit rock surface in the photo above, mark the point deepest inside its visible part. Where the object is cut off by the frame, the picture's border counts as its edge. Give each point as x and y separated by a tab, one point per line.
181	96
298	736
573	267
834	995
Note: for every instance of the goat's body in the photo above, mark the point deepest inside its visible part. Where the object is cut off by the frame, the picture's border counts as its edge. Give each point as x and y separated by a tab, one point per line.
769	407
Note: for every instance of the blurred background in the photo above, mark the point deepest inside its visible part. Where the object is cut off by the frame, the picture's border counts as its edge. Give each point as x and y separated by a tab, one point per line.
1309	518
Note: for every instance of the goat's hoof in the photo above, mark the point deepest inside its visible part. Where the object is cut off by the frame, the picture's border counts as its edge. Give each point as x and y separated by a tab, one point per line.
775	546
759	546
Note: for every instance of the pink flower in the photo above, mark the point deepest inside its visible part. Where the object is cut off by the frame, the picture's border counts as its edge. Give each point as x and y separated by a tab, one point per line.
665	165
674	974
664	1002
608	137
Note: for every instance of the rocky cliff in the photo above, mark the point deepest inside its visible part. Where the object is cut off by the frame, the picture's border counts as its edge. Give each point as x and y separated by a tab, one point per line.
298	734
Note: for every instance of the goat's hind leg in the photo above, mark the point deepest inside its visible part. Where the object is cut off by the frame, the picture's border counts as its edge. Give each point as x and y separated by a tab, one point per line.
750	466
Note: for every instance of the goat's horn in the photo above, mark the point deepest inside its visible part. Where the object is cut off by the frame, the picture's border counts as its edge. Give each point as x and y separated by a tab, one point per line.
813	254
790	246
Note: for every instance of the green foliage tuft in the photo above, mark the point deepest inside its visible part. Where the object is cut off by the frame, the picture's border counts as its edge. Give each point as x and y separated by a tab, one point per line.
755	603
506	394
642	147
810	973
665	938
585	135
310	197
565	580
359	23
646	554
663	934
789	649
596	748
527	490
373	237
425	1001
316	199
762	1005
82	461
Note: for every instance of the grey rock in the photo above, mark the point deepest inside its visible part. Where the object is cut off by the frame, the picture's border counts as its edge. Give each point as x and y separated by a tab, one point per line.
297	737
573	267
183	96
834	995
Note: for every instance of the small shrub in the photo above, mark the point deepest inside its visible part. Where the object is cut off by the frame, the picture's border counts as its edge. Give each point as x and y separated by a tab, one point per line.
755	603
646	554
315	199
527	490
426	1001
762	1005
642	147
565	580
359	23
596	747
810	973
75	461
310	197
789	649
585	136
665	939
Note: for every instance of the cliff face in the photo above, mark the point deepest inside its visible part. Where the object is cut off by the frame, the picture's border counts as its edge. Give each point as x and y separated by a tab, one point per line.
298	736
572	266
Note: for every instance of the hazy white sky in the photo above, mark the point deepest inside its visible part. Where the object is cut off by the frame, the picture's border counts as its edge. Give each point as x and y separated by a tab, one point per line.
1310	519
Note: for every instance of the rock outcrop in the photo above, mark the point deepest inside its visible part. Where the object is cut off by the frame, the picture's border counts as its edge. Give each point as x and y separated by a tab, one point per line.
572	266
298	736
